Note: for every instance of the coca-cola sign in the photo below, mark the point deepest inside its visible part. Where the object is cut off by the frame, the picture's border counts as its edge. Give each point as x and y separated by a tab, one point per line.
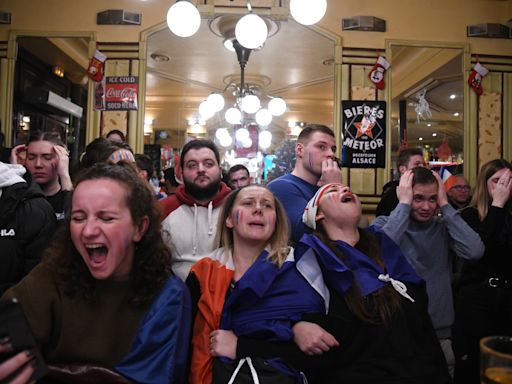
121	93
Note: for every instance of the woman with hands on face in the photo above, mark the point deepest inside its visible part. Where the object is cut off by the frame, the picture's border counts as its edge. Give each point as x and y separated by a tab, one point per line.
47	160
485	293
246	292
378	304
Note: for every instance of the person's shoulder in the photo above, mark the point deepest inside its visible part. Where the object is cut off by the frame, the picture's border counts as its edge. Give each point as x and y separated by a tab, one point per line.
168	205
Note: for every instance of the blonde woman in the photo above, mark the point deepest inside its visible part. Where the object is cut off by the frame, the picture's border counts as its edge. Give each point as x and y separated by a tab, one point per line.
249	288
485	293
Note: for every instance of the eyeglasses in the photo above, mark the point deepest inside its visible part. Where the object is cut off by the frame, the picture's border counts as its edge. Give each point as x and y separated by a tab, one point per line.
461	187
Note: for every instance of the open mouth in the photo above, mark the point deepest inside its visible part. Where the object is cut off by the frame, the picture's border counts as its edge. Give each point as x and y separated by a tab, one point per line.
347	197
97	252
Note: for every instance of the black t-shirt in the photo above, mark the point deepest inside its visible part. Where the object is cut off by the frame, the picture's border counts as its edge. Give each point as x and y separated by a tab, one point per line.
60	203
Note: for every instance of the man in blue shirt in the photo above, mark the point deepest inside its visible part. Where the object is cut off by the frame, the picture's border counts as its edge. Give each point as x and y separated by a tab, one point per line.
315	166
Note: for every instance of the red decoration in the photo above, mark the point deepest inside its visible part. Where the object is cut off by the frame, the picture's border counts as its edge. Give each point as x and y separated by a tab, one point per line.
377	72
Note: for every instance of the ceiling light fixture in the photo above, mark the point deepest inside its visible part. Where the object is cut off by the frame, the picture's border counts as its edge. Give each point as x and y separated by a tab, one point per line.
308	12
453	96
247	102
434	134
251	31
183	18
420	138
456	114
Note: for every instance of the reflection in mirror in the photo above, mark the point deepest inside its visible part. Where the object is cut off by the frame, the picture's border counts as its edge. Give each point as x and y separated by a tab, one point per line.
428	103
182	72
50	89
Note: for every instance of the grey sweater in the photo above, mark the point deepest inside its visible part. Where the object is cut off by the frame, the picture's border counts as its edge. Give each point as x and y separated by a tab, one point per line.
426	246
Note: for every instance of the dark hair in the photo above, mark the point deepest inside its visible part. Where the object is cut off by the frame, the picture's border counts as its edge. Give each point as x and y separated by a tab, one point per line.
116	132
406	154
152	257
52	137
198	144
237	167
144	163
309	129
424	176
386	300
169	176
99	151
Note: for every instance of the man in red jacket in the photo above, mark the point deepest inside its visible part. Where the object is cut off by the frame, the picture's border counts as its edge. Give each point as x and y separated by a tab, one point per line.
189	218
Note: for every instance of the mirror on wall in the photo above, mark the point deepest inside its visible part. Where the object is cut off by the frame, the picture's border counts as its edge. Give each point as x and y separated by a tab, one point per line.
295	63
50	89
427	103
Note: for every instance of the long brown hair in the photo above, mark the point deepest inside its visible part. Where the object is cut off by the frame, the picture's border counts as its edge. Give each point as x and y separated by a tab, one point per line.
278	242
482	199
152	257
380	306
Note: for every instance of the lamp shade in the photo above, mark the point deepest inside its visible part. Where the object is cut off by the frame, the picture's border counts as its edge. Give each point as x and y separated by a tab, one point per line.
265	139
206	110
251	31
308	12
277	106
250	103
233	115
216	100
263	117
183	18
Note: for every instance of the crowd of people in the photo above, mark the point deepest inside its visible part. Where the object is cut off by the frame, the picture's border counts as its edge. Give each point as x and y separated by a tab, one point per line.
212	281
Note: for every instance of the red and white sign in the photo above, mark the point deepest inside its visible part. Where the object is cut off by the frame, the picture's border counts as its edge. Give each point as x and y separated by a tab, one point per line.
120	93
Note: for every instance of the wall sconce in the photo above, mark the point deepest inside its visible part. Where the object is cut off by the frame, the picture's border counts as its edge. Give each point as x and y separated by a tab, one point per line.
58	71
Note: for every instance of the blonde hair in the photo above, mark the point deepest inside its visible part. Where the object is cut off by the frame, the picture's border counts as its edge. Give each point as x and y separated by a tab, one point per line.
278	242
482	199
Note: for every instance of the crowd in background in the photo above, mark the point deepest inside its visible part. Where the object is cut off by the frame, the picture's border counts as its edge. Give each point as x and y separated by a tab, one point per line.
201	276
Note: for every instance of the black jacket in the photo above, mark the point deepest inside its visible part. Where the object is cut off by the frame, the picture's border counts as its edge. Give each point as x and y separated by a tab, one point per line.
388	201
27	224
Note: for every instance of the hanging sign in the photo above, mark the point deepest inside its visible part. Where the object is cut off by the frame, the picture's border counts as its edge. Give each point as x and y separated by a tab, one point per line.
364	134
116	93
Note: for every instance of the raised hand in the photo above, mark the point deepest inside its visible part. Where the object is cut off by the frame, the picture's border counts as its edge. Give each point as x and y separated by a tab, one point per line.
312	339
331	172
223	343
63	167
404	189
16	154
502	190
442	197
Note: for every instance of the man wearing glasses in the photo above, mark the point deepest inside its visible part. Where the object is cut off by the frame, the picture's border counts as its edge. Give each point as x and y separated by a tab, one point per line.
457	189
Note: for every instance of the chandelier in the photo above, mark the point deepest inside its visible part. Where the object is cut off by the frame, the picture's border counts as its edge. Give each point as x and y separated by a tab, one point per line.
184	19
247	108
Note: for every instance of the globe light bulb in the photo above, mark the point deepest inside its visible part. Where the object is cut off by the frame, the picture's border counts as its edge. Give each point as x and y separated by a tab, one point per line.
251	31
205	110
242	134
250	103
183	19
226	141
308	12
263	117
277	106
216	101
221	133
265	139
233	115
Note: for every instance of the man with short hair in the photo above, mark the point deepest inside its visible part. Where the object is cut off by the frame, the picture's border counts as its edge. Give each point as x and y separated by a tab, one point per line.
238	176
408	158
189	217
457	189
426	240
315	166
